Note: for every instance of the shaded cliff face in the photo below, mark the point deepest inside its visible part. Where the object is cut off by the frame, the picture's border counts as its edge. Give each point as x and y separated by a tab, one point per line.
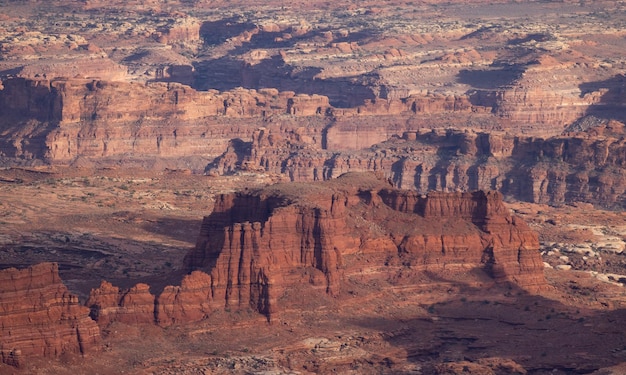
574	167
40	318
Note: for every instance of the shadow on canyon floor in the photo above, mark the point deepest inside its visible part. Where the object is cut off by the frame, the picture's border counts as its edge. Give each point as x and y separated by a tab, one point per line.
490	79
229	72
543	335
87	259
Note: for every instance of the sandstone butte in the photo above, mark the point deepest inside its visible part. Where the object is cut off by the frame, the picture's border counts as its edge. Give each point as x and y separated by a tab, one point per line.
40	318
257	245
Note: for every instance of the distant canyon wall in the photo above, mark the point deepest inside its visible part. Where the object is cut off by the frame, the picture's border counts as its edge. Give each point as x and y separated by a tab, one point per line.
64	119
587	167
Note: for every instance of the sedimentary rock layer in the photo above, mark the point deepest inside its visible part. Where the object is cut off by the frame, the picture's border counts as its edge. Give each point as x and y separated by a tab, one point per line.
61	120
585	166
40	318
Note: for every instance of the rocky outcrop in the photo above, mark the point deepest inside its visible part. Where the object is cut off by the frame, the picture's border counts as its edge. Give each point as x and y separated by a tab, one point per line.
246	247
185	30
61	120
258	246
40	318
189	302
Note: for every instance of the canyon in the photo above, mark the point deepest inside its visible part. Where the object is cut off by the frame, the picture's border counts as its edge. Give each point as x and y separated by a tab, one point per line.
575	167
180	87
199	186
350	263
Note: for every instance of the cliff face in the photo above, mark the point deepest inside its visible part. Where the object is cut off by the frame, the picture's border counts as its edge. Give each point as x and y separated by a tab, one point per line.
133	306
40	318
189	302
62	119
574	167
253	244
257	233
257	247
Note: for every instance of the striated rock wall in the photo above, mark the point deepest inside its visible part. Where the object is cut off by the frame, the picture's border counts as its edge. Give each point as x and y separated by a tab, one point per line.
584	167
61	120
40	318
133	306
503	245
254	243
188	302
257	247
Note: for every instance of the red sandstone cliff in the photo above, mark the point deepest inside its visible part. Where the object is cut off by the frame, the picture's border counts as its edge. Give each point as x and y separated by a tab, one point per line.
133	306
303	137
40	318
253	243
60	120
574	167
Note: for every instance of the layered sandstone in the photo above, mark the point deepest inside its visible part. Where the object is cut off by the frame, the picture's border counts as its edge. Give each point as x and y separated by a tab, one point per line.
191	301
360	84
40	318
61	120
132	306
258	246
583	166
254	243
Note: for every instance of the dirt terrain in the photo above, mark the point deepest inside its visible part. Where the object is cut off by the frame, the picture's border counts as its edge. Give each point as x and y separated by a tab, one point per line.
124	124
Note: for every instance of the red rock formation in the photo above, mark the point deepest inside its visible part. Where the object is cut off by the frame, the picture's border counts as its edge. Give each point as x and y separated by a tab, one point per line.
186	30
575	167
133	306
40	318
254	243
257	246
189	302
62	119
